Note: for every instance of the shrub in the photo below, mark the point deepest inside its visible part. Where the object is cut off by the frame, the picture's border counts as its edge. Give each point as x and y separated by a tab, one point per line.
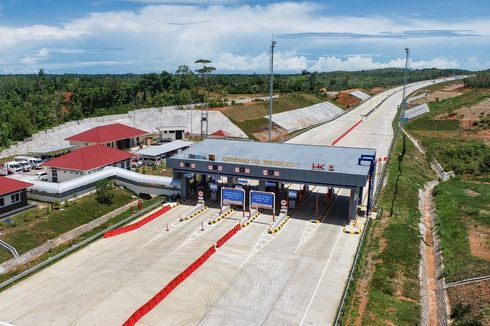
104	191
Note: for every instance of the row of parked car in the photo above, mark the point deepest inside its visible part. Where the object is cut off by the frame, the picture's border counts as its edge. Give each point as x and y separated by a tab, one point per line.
21	164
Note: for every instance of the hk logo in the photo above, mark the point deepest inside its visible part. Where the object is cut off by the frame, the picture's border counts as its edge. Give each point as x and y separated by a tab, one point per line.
317	166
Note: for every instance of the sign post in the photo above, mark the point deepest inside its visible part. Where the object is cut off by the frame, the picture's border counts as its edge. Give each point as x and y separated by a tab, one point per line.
262	199
232	196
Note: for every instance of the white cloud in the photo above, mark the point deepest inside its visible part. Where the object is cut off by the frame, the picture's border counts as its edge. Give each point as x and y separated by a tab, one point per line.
235	37
365	63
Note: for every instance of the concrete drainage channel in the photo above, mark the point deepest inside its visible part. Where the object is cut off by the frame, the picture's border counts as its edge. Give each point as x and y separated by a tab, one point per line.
75	247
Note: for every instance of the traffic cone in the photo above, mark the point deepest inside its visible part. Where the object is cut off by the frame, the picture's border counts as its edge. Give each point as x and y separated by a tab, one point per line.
202	226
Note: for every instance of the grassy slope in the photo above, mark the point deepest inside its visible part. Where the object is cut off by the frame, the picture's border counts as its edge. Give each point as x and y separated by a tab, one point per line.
393	291
34	227
444	139
456	212
250	118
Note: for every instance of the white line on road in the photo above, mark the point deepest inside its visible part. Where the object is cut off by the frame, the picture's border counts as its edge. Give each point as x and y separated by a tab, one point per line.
321	278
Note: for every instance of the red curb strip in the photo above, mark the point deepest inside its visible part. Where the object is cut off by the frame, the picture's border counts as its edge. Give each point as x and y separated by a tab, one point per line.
163	293
346	132
137	225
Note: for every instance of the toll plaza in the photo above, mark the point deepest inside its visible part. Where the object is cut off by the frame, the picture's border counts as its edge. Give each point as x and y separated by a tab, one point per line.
232	171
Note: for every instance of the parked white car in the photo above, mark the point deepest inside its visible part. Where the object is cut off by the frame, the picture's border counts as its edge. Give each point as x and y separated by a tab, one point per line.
26	166
36	163
10	168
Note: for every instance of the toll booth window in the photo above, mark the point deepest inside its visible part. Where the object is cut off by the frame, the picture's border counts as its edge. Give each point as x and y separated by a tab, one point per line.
212	157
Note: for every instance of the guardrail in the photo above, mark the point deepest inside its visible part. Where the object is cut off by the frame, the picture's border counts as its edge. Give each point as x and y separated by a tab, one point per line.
9	248
65	252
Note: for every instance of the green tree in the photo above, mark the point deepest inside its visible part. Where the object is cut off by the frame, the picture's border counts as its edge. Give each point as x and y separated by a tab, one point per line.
104	191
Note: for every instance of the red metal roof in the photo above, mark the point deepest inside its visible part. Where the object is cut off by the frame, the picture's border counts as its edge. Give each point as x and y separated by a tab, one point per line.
221	133
107	133
8	185
89	158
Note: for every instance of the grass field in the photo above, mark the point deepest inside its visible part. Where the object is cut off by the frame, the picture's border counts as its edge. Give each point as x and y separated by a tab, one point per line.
250	118
458	151
458	210
32	228
390	264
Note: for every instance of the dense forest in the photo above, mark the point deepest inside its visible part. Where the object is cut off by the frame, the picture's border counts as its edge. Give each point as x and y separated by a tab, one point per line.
480	80
29	103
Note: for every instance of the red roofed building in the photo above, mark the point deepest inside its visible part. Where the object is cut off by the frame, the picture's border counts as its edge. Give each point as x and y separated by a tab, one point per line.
220	134
86	160
13	194
115	135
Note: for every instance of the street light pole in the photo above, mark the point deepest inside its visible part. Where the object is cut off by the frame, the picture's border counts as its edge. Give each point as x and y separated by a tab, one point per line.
273	45
402	108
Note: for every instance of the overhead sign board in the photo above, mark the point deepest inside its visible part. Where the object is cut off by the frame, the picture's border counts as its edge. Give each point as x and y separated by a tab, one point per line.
261	199
232	196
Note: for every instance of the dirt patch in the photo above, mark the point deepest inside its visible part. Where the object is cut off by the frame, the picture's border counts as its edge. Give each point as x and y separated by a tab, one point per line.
476	296
346	99
471	192
277	134
473	113
479	240
442	95
377	90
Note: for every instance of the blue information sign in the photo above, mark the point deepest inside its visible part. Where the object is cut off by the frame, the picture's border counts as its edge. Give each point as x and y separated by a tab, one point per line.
233	196
262	199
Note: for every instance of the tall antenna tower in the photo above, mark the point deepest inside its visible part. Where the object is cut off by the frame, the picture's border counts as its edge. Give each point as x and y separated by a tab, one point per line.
271	85
402	105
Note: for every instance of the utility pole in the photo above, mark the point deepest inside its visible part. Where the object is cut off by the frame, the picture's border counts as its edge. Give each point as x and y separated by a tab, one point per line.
271	85
402	105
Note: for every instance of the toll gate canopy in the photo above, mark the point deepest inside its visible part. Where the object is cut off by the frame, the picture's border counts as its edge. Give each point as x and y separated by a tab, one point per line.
334	166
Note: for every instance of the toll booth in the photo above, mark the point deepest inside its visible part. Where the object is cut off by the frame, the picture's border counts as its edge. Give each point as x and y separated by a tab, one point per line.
292	199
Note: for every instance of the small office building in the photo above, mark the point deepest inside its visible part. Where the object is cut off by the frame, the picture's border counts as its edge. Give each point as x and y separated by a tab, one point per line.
85	161
171	133
156	155
114	135
13	195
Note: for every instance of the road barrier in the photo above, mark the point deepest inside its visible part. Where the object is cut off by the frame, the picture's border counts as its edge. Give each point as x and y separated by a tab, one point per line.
249	219
165	291
198	209
139	224
228	235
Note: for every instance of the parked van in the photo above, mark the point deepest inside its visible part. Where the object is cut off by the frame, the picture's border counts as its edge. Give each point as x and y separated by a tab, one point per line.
10	168
36	163
42	176
26	166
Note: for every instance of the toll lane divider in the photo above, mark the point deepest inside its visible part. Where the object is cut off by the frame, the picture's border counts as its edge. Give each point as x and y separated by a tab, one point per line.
164	292
346	132
137	225
228	235
279	223
227	210
249	219
198	209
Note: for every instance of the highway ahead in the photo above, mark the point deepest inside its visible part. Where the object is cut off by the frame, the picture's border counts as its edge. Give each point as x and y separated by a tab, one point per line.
293	277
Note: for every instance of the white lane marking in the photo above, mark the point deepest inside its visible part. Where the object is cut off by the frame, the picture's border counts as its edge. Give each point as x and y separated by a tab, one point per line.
63	272
5	324
310	228
160	234
195	235
321	278
261	243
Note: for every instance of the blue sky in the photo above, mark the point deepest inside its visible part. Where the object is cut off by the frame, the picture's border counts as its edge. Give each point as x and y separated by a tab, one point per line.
136	36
